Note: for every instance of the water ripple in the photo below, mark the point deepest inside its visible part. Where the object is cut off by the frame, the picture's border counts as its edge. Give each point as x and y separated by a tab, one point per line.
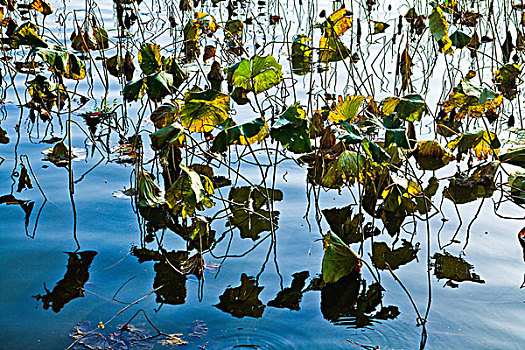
250	338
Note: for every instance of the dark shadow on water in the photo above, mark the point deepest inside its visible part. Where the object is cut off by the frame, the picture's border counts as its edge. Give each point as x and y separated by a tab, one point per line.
350	303
170	283
26	205
242	301
173	284
454	269
290	298
71	286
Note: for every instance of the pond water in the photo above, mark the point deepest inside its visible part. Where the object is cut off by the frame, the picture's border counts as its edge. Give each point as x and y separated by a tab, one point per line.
87	255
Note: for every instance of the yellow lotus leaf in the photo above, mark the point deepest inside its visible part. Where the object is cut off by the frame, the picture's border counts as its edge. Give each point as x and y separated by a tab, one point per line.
347	109
338	23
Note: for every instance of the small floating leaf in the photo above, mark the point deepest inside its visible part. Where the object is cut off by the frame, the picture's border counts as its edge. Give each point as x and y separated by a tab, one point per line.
149	58
506	80
243	134
63	62
42	6
481	142
292	130
437	23
460	39
148	192
380	27
517	187
431	156
339	259
26	34
189	193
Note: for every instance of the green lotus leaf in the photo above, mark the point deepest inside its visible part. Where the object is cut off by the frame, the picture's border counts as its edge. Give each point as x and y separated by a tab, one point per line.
189	193
243	134
63	62
148	192
27	34
339	259
292	130
149	58
257	74
204	110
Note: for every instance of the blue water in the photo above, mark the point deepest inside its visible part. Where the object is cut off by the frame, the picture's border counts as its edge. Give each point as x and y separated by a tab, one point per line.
472	316
468	316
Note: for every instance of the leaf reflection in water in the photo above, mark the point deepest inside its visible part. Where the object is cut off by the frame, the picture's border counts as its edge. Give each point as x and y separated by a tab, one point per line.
454	269
242	301
71	286
349	302
291	297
